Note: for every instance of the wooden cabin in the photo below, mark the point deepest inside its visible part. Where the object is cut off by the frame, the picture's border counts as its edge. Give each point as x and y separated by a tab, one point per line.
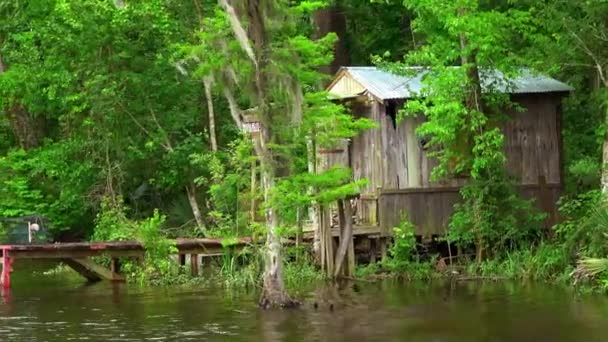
394	161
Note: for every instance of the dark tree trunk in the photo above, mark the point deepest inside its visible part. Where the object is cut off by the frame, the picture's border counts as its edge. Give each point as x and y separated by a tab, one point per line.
328	20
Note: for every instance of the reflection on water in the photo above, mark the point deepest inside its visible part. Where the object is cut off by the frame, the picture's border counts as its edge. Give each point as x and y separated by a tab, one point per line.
56	309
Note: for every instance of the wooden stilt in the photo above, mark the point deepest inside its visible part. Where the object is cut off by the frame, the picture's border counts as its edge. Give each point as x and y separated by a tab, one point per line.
7	268
182	259
328	241
383	248
92	271
350	259
322	250
372	251
115	265
346	250
194	264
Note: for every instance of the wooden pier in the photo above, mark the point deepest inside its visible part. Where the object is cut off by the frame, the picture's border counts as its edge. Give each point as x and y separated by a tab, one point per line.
76	255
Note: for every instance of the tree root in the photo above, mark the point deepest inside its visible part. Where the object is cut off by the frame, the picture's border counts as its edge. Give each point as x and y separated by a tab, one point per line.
276	300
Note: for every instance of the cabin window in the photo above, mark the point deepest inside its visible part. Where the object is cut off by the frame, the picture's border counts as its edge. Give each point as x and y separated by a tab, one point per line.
391	111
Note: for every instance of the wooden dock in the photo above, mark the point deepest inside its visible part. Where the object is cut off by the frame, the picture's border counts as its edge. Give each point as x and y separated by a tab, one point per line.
76	255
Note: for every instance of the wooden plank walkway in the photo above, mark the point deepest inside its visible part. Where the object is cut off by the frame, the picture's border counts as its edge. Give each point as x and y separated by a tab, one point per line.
112	248
75	254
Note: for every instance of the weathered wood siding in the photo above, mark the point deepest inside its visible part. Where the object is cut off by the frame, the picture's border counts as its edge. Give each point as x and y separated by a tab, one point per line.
334	156
366	149
398	170
430	209
533	139
346	86
406	164
391	156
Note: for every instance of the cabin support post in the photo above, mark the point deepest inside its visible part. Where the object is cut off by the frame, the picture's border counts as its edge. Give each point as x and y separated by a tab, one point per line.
182	259
194	264
350	258
327	243
345	258
383	248
91	271
115	266
372	251
546	203
321	232
7	268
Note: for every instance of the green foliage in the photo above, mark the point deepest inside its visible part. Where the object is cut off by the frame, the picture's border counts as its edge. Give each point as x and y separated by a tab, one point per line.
463	43
115	98
585	224
493	217
112	223
404	241
404	259
376	27
158	248
230	190
16	195
545	262
244	270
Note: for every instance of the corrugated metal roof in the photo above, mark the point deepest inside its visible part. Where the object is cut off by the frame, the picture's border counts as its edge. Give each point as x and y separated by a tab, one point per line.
386	85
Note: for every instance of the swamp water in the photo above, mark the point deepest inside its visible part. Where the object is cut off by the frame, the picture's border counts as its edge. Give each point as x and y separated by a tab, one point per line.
59	308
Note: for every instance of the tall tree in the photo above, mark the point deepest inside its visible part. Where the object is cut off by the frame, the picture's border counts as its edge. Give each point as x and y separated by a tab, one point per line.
574	42
119	121
460	43
276	80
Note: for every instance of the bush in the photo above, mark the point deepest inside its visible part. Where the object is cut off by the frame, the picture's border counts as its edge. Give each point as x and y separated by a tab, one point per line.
546	262
494	218
404	259
585	225
404	243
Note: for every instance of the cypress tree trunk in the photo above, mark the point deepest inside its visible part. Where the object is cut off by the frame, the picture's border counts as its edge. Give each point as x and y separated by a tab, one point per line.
255	44
332	19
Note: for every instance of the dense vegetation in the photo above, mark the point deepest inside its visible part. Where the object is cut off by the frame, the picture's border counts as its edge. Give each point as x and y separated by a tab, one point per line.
113	111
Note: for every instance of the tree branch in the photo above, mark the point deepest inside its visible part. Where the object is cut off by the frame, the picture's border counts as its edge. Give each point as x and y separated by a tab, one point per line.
587	50
239	31
235	111
138	124
168	145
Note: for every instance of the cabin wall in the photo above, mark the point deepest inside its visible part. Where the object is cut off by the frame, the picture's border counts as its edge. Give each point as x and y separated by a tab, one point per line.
391	155
398	170
430	209
407	165
533	140
346	86
366	148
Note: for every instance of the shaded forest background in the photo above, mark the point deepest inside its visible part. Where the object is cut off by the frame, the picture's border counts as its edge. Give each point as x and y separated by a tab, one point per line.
104	119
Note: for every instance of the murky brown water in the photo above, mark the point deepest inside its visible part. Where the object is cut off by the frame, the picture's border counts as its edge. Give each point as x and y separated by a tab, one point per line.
59	309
